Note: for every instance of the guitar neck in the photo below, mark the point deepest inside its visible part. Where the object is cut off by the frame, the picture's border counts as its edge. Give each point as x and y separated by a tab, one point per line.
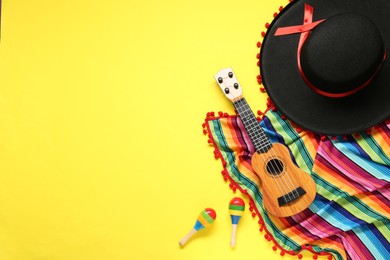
257	135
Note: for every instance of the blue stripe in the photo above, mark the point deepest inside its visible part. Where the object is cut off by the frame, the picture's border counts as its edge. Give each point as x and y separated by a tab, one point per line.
198	225
235	219
270	131
370	240
353	146
379	171
336	215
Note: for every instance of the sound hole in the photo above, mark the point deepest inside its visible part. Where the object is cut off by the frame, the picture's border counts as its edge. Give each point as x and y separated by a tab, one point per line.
274	167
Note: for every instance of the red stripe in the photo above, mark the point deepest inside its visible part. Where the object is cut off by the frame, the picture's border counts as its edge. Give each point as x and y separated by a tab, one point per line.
353	244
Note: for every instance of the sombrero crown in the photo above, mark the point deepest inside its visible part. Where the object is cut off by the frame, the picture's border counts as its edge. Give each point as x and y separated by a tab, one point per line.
323	63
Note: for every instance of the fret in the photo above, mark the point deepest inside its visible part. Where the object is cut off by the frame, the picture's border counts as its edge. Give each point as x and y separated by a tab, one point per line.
257	135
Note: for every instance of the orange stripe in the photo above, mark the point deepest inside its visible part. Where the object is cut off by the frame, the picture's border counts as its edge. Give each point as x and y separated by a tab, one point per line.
333	177
381	138
310	144
290	231
313	141
374	202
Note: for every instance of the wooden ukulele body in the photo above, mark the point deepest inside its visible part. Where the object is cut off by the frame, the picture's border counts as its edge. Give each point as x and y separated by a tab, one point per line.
286	189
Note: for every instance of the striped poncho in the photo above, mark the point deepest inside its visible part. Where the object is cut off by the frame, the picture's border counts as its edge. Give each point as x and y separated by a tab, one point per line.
349	218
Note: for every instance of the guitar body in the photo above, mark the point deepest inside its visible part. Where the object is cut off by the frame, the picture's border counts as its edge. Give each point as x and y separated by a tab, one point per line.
286	189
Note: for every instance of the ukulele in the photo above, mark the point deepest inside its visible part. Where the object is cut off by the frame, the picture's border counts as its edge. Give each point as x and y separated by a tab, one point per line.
286	189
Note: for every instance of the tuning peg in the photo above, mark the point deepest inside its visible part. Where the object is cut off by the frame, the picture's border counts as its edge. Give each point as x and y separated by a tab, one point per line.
220	80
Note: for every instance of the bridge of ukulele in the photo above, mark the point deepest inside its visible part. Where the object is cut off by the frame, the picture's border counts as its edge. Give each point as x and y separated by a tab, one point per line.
291	196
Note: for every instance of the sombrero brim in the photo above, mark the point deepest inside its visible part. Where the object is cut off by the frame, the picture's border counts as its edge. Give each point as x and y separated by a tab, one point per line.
300	104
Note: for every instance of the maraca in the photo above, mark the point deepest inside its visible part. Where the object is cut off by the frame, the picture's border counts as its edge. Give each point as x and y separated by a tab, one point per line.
236	208
205	219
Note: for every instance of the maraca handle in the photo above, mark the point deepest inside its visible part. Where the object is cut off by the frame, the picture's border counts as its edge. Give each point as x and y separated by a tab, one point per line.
233	237
186	237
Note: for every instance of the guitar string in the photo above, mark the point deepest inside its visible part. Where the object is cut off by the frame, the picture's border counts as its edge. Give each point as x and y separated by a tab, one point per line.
290	194
250	113
271	166
291	185
294	192
303	198
279	170
242	112
284	178
288	178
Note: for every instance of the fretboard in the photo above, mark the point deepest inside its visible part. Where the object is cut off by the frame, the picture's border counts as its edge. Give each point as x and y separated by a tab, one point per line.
257	135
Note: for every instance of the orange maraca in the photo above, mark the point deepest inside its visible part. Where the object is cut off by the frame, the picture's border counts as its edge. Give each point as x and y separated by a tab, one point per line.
205	219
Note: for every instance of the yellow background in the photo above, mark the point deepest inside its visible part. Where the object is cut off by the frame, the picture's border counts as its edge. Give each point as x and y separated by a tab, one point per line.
102	154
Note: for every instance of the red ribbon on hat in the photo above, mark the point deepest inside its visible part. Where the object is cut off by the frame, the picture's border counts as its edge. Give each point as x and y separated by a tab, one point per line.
304	30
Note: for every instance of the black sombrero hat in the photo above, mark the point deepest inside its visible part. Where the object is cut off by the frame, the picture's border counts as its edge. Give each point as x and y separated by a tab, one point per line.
323	64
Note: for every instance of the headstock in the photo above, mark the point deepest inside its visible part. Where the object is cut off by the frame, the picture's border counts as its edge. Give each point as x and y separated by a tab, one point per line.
228	83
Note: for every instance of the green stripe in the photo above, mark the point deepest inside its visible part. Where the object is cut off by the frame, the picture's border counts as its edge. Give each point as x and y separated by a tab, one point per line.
359	209
236	207
384	228
207	217
375	149
370	149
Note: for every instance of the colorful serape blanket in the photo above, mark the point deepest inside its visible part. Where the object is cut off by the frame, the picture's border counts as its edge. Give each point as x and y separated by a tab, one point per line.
349	218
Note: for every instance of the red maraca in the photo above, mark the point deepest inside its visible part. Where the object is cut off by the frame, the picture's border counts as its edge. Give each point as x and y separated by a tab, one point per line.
205	219
236	209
